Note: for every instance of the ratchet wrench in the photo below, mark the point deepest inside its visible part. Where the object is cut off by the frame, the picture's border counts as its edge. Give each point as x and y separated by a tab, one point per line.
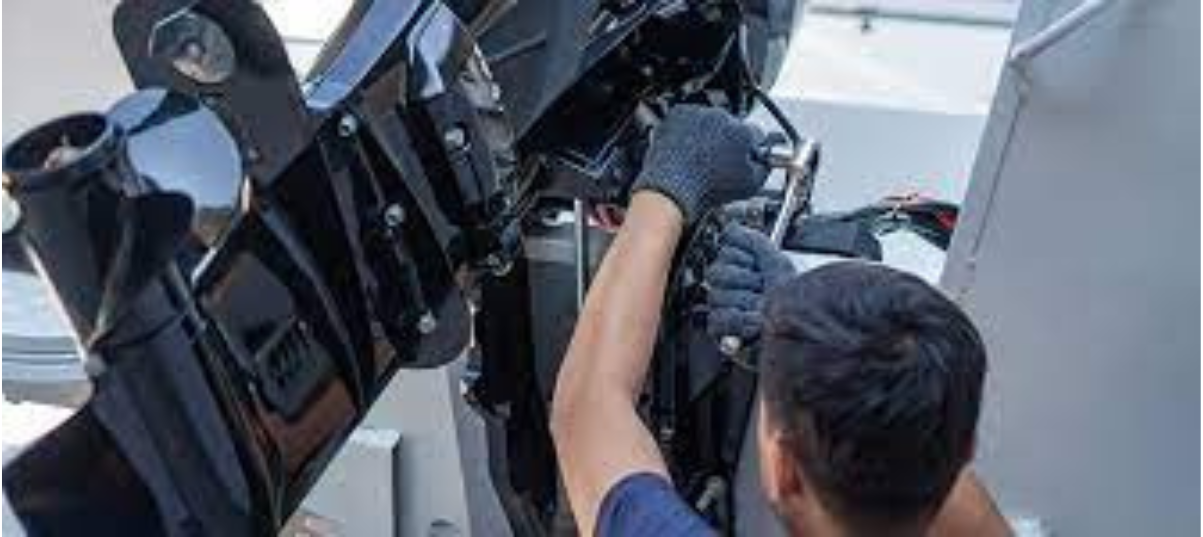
800	161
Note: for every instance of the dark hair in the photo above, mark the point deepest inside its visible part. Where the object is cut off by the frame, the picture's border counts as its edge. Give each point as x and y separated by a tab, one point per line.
875	380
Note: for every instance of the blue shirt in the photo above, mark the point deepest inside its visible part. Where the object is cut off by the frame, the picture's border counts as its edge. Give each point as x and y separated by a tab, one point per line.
646	504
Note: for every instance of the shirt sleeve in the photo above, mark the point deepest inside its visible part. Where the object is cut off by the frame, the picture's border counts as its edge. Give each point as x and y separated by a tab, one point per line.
645	504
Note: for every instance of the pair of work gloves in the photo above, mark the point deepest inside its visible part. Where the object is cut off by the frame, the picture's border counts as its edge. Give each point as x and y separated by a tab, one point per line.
702	158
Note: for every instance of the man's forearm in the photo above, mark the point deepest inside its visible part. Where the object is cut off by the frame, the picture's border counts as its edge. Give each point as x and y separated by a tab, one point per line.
622	310
598	434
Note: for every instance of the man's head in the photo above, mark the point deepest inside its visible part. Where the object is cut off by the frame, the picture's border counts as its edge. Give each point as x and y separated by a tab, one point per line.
871	383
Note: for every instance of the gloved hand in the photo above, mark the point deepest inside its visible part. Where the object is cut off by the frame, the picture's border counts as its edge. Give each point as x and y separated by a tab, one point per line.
746	268
701	158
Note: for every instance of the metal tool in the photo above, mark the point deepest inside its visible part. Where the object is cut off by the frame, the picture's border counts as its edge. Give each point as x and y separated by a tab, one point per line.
799	160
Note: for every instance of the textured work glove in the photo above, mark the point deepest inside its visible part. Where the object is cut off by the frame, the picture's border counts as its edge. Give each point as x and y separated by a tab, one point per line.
746	268
701	158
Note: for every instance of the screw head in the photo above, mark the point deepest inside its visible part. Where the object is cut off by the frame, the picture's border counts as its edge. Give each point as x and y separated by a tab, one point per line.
194	50
347	125
455	138
427	323
497	265
94	367
394	215
730	345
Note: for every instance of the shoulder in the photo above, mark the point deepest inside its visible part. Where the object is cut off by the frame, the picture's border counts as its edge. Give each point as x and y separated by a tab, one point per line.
647	504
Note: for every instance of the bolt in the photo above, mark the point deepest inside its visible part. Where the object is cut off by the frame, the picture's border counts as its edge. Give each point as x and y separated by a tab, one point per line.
94	367
730	345
497	265
394	215
666	434
714	490
347	126
455	138
427	323
194	51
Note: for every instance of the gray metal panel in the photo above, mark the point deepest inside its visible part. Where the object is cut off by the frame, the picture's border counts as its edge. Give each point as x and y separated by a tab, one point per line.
1078	258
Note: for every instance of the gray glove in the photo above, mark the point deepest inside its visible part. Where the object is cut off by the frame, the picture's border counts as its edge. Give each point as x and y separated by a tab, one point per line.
747	266
701	158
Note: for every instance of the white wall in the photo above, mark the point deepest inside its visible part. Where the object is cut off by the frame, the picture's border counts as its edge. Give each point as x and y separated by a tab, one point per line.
1078	257
59	57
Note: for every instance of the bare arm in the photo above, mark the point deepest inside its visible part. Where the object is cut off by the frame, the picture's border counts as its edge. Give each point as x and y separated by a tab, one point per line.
598	435
969	510
699	158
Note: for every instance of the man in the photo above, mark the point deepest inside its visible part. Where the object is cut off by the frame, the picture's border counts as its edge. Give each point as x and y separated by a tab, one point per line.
870	379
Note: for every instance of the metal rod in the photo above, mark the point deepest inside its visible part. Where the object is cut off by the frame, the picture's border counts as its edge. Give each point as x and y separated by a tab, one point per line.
778	115
581	235
868	11
797	190
1028	49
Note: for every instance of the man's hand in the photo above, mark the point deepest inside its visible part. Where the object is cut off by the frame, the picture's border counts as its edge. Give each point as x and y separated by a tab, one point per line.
701	158
747	266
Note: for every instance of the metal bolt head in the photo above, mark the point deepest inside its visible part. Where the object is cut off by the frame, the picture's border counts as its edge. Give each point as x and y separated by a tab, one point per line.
394	215
427	323
666	433
94	367
497	265
196	46
730	345
194	50
348	125
455	138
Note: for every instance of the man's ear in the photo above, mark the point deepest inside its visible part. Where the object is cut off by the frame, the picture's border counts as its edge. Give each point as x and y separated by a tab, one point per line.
778	471
767	455
789	476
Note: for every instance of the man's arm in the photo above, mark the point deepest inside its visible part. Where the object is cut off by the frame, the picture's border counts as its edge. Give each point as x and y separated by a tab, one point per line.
699	158
599	437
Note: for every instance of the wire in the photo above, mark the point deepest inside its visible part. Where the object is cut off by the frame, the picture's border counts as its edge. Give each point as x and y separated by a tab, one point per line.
778	115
